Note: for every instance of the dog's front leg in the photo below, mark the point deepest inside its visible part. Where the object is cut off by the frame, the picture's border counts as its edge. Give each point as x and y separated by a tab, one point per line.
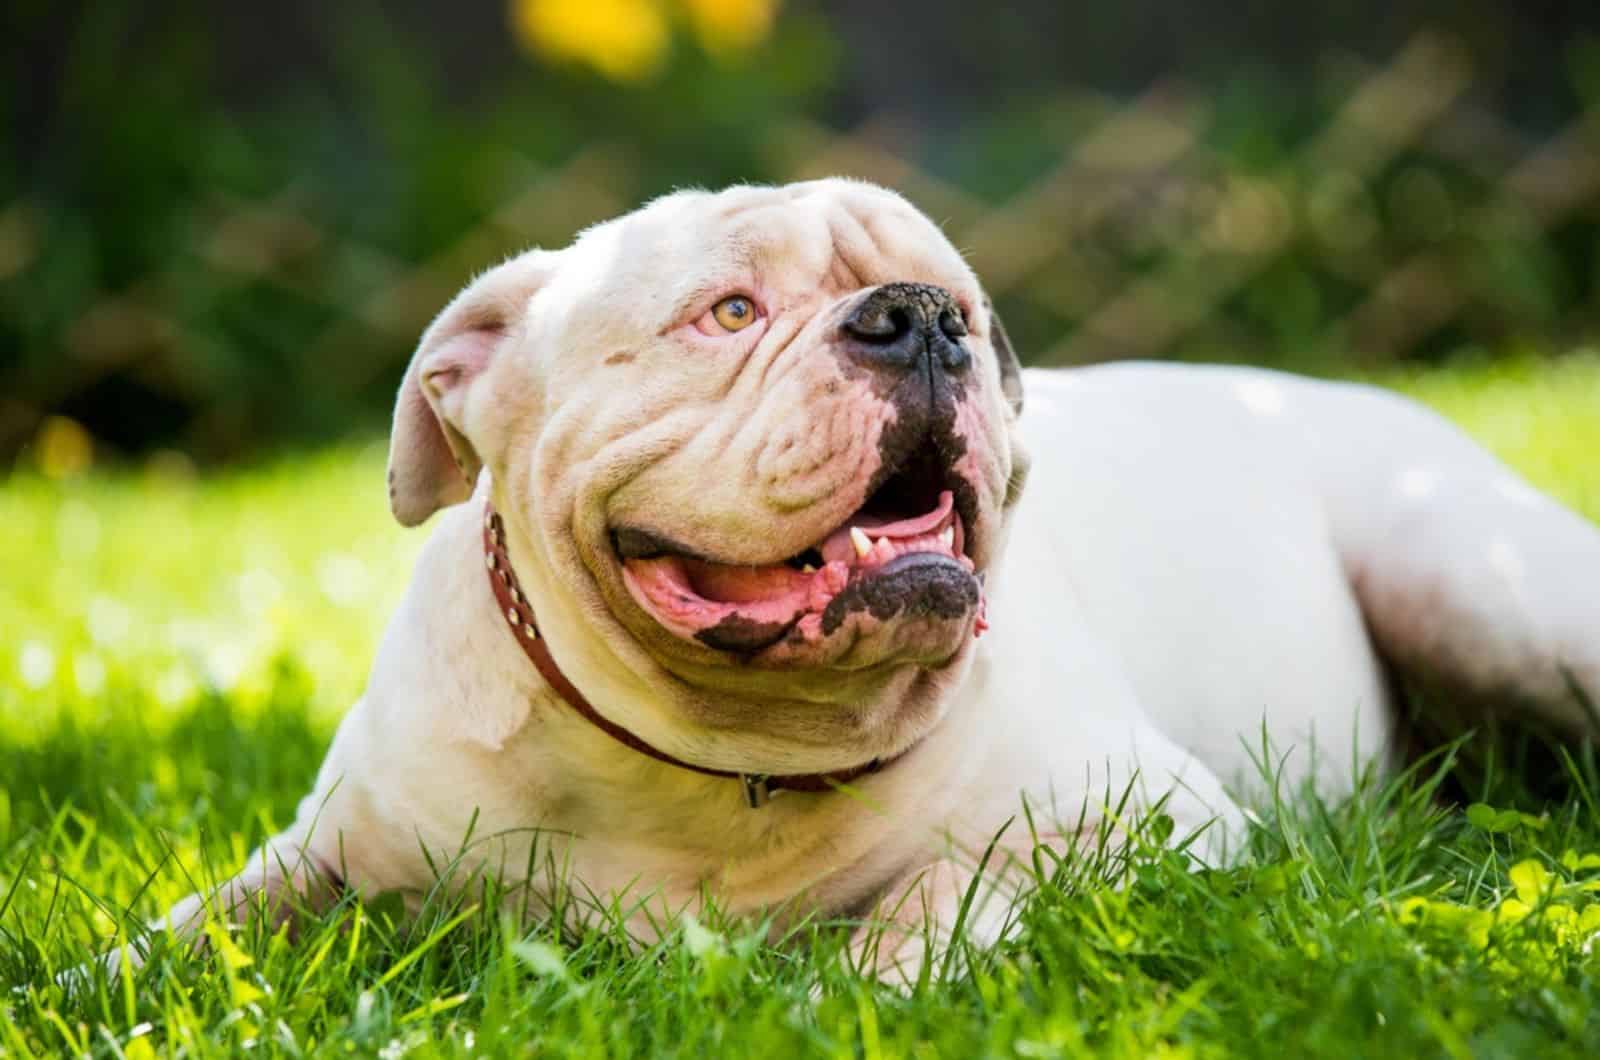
968	897
927	909
279	880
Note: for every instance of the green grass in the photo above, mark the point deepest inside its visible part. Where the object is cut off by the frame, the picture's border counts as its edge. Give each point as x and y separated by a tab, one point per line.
174	653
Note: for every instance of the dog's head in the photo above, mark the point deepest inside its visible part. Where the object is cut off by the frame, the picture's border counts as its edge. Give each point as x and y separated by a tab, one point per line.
754	450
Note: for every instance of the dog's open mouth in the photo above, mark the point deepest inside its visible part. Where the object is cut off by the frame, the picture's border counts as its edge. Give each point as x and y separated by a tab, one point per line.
901	554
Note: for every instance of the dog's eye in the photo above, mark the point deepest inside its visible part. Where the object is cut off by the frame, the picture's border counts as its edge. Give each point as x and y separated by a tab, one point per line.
735	313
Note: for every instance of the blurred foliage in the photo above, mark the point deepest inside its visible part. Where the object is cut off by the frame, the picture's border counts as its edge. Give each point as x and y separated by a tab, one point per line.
223	227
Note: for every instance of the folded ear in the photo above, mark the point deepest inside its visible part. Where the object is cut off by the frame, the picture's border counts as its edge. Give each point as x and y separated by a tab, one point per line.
432	461
1010	366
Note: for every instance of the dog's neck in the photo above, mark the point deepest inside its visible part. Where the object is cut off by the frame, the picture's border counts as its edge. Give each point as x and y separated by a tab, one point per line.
516	611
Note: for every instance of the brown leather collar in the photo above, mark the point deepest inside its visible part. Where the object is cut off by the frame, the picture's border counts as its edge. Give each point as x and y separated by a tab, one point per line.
516	609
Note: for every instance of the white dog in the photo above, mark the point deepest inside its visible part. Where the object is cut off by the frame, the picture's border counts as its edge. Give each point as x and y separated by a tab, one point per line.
749	600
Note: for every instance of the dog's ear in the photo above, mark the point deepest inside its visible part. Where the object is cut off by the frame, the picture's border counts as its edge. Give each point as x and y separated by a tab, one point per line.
1010	366
432	463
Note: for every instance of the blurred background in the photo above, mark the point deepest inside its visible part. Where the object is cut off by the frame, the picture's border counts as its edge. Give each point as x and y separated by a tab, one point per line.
223	225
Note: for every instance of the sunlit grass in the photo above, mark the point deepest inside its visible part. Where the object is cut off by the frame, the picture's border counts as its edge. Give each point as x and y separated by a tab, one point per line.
174	653
181	585
1542	417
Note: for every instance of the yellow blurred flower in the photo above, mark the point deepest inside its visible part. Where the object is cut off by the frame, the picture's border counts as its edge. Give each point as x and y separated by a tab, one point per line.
627	40
622	39
725	26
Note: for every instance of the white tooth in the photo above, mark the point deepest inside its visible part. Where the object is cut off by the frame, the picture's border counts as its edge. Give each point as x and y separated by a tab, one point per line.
947	537
807	568
858	538
882	545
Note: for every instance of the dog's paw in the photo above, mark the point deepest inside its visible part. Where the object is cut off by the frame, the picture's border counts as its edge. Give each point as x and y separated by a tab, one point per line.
108	967
894	955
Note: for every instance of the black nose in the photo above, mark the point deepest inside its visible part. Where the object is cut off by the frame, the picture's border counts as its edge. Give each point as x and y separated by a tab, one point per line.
899	325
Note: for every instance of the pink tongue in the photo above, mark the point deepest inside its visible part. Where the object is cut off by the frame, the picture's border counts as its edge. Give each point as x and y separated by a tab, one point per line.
838	546
689	595
757	594
744	585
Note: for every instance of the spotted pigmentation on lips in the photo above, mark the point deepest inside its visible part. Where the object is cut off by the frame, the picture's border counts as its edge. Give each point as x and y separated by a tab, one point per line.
872	563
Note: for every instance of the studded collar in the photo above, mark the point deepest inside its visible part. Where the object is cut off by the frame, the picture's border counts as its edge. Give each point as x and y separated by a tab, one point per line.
517	612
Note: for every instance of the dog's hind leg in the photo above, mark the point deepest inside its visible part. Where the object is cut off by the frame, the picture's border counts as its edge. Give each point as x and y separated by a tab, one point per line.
1473	583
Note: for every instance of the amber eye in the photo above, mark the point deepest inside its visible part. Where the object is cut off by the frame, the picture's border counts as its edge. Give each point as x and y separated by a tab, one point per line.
735	313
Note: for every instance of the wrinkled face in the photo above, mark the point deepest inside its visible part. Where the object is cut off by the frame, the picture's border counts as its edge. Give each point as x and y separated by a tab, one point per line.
760	439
